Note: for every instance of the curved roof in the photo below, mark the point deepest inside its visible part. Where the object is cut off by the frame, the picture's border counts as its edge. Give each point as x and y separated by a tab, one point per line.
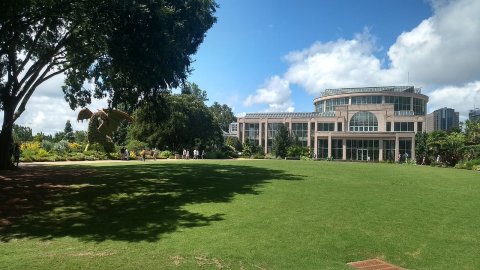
339	91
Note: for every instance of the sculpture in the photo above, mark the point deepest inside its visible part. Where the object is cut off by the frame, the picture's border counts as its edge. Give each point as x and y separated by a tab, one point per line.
102	125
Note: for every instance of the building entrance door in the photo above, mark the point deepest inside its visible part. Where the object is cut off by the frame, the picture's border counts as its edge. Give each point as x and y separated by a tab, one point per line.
362	154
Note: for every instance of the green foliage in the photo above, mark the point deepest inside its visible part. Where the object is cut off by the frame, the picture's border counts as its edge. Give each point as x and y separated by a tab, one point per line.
58	136
61	147
449	146
421	146
47	145
165	154
296	150
68	131
127	49
223	115
80	136
469	165
194	90
250	149
472	132
175	122
215	155
281	142
234	142
135	145
22	134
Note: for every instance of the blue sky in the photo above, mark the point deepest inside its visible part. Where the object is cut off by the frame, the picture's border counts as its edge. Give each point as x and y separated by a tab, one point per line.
251	38
278	55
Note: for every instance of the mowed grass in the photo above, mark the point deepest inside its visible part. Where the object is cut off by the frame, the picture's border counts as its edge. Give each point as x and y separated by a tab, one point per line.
240	214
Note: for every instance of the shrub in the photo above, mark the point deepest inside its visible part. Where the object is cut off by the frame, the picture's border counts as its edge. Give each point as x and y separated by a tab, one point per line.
471	163
476	168
61	146
136	145
75	156
165	154
30	146
75	147
215	155
47	145
258	156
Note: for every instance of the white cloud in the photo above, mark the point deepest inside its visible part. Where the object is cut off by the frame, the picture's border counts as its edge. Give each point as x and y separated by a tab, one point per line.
343	63
461	98
441	51
276	92
48	114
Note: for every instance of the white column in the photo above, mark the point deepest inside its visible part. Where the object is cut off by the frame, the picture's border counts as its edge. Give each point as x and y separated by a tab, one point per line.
397	147
329	145
309	135
413	148
260	132
266	136
344	145
380	150
243	132
315	141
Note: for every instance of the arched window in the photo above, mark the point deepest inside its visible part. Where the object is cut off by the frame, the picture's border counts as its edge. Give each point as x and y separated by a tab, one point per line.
363	122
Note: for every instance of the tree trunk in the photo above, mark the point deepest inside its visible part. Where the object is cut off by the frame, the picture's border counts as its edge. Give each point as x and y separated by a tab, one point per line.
6	138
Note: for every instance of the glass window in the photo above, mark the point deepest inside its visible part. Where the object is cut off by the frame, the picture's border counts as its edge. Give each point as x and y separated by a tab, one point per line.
419	126
405	147
322	148
252	132
331	104
300	131
389	126
400	103
364	122
389	150
367	100
404	126
419	106
337	149
364	150
319	107
326	126
272	129
339	126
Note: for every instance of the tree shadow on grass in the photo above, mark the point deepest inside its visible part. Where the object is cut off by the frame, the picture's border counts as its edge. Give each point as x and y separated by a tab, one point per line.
125	203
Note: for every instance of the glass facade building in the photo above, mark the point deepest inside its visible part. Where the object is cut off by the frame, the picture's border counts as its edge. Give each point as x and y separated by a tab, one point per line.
363	124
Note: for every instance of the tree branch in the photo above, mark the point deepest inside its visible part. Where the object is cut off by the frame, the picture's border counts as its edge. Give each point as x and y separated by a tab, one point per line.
33	45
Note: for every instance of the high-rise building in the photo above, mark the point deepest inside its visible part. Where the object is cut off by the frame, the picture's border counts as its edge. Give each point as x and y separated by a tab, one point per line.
474	115
443	119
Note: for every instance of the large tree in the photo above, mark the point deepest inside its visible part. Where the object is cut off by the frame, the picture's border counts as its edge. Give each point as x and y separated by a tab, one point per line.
175	122
129	50
223	115
281	141
68	130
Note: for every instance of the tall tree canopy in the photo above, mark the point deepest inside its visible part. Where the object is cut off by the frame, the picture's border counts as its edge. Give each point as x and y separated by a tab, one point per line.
175	122
129	50
281	141
223	115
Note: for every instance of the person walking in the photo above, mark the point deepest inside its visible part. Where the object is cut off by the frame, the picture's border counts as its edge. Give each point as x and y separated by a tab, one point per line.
155	152
203	154
127	154
143	154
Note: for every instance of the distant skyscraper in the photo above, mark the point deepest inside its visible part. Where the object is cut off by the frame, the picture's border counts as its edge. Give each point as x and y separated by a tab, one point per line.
474	115
443	119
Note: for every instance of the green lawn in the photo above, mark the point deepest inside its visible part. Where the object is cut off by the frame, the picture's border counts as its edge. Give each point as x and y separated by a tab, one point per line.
259	214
